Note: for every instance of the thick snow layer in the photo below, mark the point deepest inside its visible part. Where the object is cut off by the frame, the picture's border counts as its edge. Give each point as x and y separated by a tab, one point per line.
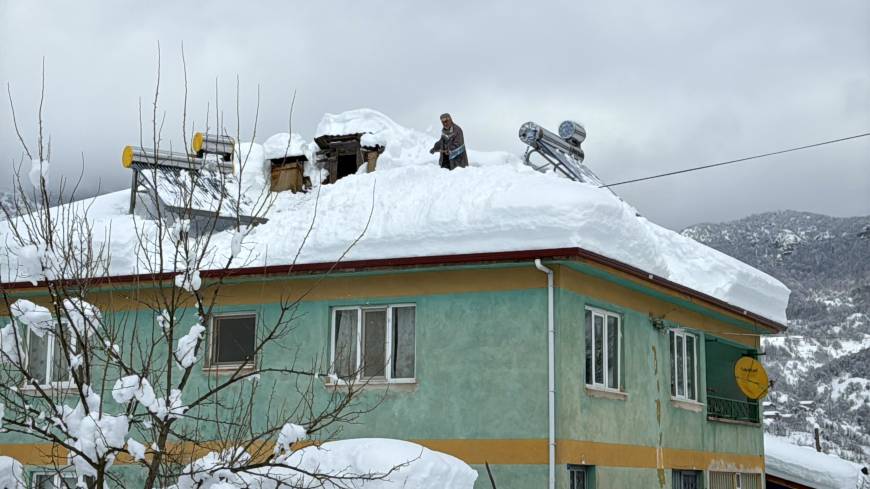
283	145
423	469
809	467
11	473
9	340
391	464
290	434
419	209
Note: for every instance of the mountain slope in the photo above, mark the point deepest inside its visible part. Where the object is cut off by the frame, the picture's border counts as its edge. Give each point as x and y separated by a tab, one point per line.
821	366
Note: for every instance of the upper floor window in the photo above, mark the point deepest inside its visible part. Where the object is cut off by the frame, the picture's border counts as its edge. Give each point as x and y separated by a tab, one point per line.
684	365
46	362
603	349
374	343
233	340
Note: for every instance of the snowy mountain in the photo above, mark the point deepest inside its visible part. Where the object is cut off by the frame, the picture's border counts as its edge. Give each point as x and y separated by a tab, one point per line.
821	366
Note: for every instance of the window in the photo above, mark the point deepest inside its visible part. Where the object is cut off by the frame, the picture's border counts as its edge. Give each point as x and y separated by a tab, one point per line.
374	342
579	477
686	479
232	340
46	362
684	365
48	480
735	480
603	349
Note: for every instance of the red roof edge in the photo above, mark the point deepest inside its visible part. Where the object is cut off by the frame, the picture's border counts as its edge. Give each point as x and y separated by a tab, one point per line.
459	259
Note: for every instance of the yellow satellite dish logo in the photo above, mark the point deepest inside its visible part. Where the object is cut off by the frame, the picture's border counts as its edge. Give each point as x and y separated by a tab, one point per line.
751	378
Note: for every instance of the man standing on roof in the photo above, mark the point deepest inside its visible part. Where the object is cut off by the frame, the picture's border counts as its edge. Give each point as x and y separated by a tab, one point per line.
451	145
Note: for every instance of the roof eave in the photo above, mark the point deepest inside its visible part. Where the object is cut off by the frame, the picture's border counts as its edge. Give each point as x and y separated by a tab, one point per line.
459	259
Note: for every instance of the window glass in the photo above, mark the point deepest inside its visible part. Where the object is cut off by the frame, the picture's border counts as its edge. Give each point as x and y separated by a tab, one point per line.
577	476
684	365
37	354
673	341
598	344
612	352
690	367
686	479
403	355
374	342
588	341
681	386
69	482
345	342
60	364
234	339
53	481
43	481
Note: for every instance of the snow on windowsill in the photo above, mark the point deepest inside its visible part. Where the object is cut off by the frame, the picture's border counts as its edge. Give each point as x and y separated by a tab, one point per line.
605	393
687	404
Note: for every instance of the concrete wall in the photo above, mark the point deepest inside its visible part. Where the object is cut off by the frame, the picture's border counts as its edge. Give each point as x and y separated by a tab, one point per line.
481	390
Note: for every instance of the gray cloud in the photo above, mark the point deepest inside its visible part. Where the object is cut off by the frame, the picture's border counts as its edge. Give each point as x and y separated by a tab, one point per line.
660	86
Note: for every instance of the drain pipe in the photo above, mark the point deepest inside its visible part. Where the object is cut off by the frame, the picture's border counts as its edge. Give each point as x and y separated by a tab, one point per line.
551	373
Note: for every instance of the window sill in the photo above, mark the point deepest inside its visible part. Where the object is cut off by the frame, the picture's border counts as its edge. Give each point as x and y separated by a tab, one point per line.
687	404
733	421
380	384
228	368
56	388
603	393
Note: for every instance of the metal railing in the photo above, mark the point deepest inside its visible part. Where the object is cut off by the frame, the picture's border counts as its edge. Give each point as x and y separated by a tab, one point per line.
734	409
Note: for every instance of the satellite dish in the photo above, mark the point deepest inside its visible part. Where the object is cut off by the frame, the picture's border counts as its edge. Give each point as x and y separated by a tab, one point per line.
751	378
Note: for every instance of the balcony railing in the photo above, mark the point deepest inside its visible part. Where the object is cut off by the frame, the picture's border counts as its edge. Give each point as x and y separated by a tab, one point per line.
733	409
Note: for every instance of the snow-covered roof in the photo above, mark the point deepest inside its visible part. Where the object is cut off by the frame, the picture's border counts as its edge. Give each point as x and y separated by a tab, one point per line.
376	129
284	145
806	466
419	209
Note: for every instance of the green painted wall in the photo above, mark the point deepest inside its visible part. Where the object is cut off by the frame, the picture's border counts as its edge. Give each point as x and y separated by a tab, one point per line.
482	374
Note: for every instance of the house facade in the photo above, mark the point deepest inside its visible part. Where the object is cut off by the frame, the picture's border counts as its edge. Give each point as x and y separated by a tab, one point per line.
454	350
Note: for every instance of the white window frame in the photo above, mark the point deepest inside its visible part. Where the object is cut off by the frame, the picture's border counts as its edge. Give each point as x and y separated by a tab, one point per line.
388	343
50	342
605	315
56	478
211	363
673	334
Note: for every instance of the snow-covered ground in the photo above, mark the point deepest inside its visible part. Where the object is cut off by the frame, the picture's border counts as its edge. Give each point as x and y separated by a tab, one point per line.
809	467
418	209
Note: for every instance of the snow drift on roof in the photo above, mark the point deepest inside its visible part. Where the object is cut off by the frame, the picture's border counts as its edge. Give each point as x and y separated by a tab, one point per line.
284	145
806	466
419	209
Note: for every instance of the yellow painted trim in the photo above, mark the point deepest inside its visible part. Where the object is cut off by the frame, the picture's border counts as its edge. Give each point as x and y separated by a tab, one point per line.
338	288
498	451
127	157
197	142
434	282
613	293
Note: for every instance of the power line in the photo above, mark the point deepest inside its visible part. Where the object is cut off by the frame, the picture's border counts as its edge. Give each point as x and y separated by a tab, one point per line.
832	141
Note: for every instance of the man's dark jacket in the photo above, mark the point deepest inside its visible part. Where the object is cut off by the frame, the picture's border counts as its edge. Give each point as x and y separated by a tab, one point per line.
452	148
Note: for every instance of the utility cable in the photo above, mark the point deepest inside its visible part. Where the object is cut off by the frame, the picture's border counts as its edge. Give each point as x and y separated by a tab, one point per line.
677	172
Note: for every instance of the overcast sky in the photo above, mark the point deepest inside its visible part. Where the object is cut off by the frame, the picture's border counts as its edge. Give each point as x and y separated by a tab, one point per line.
659	85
